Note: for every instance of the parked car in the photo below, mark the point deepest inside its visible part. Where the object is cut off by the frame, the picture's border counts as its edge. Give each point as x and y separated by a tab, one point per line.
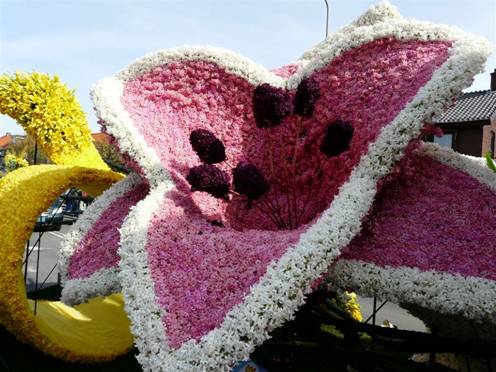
73	199
52	219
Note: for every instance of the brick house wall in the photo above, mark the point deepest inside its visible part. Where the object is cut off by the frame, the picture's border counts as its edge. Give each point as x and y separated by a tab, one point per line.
489	138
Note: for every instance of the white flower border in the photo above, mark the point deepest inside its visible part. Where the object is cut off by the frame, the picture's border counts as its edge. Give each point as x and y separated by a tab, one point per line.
471	297
377	13
282	289
105	281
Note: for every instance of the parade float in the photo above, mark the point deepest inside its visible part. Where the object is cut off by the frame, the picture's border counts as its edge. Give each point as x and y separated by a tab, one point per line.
250	188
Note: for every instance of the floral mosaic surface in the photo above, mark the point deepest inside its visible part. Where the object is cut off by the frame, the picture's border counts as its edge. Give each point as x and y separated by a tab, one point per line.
249	185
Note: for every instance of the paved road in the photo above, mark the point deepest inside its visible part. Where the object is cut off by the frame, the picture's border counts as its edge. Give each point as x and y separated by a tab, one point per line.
50	243
391	312
49	249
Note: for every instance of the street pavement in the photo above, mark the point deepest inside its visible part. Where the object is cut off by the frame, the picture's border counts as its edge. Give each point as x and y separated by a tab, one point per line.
392	313
48	251
48	271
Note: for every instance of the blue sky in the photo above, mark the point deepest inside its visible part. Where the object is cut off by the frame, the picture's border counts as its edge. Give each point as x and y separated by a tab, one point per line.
85	41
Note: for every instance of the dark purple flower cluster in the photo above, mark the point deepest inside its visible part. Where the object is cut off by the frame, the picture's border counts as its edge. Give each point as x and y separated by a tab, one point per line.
249	181
270	105
306	95
209	178
337	138
209	148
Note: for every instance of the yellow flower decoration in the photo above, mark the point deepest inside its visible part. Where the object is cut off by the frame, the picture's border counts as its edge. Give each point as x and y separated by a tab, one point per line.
95	331
352	306
50	112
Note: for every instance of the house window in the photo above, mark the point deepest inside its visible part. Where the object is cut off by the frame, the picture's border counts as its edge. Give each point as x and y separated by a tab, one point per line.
446	140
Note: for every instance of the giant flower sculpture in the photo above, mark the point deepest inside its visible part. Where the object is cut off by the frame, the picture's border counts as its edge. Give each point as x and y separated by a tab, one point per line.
257	181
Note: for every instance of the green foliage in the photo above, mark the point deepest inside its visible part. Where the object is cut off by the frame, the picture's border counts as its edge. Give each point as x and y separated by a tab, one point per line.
26	147
490	162
111	156
13	162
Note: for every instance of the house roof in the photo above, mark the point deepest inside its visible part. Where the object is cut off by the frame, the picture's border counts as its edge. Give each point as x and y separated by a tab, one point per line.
5	140
472	106
101	137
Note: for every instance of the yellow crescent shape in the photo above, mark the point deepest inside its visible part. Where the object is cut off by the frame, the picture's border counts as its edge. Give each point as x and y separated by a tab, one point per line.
95	331
49	111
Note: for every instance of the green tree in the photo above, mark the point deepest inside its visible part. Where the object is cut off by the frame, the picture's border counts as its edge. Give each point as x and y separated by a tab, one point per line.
13	162
28	146
111	156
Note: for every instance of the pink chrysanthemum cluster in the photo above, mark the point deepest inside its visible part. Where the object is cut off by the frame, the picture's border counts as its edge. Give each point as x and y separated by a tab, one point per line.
98	249
408	222
202	269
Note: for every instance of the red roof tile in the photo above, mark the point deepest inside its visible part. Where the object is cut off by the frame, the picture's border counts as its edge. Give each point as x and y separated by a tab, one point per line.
101	137
6	140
